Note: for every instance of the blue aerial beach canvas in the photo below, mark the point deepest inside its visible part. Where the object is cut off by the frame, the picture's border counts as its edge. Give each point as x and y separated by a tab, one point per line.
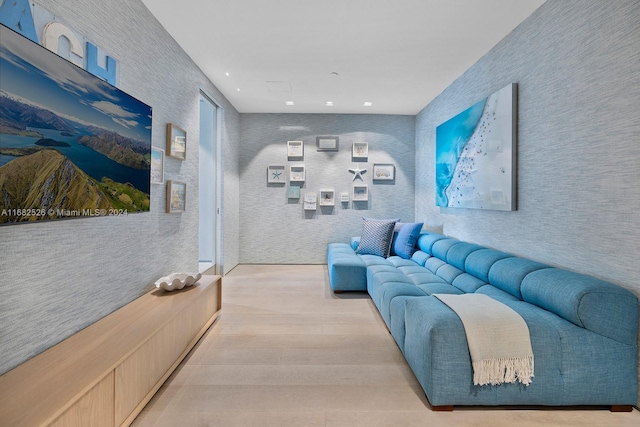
71	144
476	155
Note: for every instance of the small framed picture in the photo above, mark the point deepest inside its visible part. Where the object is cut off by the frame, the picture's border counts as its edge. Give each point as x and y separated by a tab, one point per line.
157	166
275	174
384	172
176	196
297	173
295	149
293	192
344	197
327	143
360	193
360	150
310	201
176	142
327	197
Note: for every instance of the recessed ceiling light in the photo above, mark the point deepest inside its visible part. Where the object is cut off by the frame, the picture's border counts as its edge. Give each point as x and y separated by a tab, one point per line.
290	103
329	104
227	74
367	104
238	89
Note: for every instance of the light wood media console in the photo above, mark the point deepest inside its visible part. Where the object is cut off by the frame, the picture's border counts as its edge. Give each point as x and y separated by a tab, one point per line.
105	374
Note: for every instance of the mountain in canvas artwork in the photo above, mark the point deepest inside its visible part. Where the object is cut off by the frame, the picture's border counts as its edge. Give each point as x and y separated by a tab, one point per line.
70	143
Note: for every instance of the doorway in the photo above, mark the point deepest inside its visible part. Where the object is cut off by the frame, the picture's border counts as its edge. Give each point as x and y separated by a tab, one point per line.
209	215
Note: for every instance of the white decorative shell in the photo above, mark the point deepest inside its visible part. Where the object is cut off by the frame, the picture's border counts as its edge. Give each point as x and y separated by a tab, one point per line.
177	281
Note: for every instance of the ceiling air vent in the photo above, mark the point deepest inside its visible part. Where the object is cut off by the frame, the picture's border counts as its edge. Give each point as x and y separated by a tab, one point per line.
279	86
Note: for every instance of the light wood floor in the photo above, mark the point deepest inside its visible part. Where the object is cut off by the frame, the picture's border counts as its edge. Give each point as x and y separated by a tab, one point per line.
287	352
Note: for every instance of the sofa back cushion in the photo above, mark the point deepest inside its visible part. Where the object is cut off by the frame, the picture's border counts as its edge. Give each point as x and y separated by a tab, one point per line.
479	262
458	253
507	273
426	241
442	246
591	303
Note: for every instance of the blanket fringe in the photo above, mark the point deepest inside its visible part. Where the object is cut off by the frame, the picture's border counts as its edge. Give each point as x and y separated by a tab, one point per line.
503	370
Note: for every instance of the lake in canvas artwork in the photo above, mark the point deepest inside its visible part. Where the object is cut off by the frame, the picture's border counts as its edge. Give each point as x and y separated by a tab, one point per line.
71	145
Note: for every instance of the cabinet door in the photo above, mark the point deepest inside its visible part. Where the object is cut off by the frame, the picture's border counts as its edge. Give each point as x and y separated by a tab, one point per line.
94	409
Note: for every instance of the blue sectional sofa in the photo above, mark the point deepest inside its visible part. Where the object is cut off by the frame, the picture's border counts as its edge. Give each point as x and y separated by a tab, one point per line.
583	330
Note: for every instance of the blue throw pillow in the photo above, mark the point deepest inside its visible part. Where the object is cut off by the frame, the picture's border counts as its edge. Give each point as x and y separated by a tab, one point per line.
404	241
376	236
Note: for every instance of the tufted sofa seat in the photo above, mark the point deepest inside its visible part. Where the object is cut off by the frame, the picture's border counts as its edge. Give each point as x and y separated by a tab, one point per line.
583	330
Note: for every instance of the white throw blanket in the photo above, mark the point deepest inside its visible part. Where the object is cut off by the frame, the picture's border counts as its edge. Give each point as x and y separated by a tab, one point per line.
498	338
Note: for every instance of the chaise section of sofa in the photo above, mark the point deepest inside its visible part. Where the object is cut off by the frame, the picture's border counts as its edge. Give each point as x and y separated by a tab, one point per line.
583	330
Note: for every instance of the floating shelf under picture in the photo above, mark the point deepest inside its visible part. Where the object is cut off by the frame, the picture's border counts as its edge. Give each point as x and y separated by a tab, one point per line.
297	173
327	198
360	150
275	174
360	193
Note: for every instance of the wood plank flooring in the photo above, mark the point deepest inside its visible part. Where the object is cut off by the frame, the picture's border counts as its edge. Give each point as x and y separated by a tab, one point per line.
287	352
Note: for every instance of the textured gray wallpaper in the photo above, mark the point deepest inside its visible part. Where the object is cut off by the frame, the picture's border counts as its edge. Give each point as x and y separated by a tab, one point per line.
58	277
577	65
275	229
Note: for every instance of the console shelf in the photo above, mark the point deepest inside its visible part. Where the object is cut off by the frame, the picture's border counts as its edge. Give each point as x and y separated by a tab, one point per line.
105	374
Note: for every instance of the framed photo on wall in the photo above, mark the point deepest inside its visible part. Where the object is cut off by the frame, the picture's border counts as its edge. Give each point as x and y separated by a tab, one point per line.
327	143
176	142
293	192
310	201
276	175
157	166
176	196
360	193
360	150
327	198
295	149
297	173
384	172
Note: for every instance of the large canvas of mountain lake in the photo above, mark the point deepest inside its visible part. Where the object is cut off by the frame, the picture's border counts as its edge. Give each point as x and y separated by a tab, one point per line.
71	145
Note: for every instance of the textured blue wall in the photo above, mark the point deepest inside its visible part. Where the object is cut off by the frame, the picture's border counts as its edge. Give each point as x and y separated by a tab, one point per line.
58	277
577	65
275	229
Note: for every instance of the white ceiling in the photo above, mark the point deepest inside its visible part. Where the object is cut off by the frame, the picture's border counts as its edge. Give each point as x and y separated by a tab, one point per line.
397	54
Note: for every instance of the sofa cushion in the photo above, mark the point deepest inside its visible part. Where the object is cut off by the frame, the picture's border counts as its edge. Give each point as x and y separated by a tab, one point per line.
442	246
404	240
376	236
594	304
479	262
467	283
426	241
507	273
347	271
459	252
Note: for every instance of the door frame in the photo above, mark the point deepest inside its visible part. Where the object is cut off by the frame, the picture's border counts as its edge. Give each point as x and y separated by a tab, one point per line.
218	226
